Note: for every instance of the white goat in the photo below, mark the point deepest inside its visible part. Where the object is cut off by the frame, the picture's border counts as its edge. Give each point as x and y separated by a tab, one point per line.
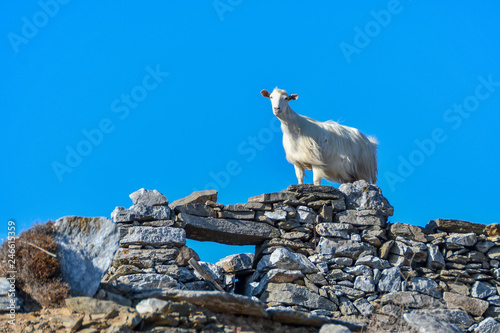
332	151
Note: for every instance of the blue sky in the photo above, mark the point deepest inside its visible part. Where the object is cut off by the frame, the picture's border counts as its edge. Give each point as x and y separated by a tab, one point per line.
101	99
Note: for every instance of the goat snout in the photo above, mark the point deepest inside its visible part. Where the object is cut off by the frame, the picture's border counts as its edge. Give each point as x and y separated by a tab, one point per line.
276	108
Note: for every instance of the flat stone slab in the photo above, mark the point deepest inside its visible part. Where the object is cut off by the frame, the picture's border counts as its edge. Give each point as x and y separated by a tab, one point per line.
475	307
152	236
289	316
456	226
292	294
272	197
196	197
213	300
227	231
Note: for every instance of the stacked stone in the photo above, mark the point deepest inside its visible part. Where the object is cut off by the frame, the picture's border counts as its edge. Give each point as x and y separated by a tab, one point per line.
324	261
323	251
152	252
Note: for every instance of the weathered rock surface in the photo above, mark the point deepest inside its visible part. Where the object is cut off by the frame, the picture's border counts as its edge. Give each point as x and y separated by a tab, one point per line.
473	306
212	300
424	323
285	259
148	198
199	197
86	247
153	236
322	254
456	226
236	262
227	231
140	213
292	294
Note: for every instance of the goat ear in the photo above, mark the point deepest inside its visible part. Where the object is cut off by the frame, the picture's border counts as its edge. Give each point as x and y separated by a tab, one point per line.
293	97
265	93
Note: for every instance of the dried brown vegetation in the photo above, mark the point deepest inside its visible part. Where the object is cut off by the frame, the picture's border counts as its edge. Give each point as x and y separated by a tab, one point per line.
38	277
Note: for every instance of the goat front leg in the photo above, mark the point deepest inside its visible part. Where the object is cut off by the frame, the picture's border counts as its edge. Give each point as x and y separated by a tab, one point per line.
299	172
316	175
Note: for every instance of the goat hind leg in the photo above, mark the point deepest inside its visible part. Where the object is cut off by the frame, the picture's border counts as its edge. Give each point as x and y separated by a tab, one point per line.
299	172
317	173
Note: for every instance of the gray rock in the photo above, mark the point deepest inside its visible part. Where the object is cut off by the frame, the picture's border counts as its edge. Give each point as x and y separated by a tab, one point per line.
138	282
390	280
196	197
340	290
324	192
362	217
306	214
435	259
276	215
494	253
482	290
212	300
361	195
344	248
145	258
239	215
151	305
277	276
248	206
236	262
6	286
457	226
155	236
373	262
340	230
196	209
346	307
488	325
473	306
364	283
227	231
89	305
411	299
455	317
410	251
424	323
408	231
334	328
272	197
339	275
292	294
364	307
469	239
148	198
426	286
86	247
494	300
359	270
9	304
213	270
290	316
141	213
484	246
285	259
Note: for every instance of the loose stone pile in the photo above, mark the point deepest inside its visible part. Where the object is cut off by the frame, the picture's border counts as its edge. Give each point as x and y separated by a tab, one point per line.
324	257
322	251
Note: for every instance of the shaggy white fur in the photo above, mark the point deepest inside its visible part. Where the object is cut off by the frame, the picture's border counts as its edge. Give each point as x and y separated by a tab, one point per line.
332	151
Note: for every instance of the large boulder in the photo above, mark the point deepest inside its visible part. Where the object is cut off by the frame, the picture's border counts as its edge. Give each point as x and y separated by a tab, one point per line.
86	247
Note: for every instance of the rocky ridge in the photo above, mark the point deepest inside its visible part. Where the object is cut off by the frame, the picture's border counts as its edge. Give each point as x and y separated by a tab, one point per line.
325	258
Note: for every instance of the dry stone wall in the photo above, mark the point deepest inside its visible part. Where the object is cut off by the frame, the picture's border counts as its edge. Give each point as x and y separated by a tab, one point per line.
322	255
